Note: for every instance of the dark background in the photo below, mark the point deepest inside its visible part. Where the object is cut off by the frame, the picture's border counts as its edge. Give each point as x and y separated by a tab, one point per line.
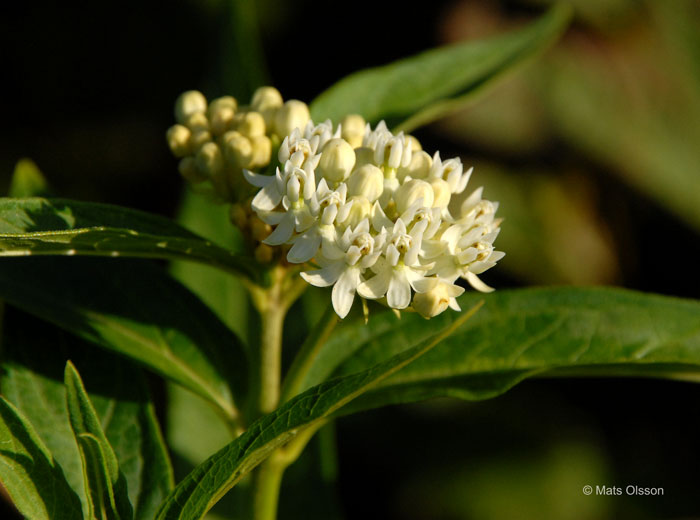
88	92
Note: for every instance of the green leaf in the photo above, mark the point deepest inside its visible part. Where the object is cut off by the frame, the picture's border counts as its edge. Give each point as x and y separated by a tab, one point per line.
106	486
520	334
222	292
429	85
29	473
133	308
33	381
209	481
37	226
27	180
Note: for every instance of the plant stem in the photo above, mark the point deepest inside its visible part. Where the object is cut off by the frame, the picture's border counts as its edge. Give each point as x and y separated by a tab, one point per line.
268	479
272	319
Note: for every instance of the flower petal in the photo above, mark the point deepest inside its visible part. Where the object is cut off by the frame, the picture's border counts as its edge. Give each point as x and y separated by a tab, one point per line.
305	248
399	294
344	291
282	232
375	287
475	282
324	277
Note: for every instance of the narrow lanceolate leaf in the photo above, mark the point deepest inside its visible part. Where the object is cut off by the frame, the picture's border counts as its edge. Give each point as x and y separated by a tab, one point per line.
37	226
106	486
525	333
209	481
419	89
27	180
135	309
29	473
34	356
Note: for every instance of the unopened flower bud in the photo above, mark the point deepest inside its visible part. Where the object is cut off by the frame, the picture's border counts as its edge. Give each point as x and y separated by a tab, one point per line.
441	193
266	97
190	102
238	149
418	168
264	254
360	210
197	121
221	119
353	129
199	139
250	124
259	230
433	302
293	114
178	137
363	156
411	191
415	144
337	160
210	159
262	151
238	216
190	171
366	181
222	102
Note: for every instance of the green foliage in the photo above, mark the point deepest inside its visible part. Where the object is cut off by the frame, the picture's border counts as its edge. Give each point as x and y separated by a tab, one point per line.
27	180
520	334
414	91
30	474
209	481
33	382
38	226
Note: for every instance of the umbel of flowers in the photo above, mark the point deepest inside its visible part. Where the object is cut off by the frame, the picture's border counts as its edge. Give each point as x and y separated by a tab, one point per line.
368	211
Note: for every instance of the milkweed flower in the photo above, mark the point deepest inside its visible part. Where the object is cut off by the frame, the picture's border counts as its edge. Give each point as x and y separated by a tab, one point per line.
372	211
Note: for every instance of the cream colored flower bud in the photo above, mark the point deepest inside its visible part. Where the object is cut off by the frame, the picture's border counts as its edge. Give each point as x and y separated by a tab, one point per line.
264	254
197	121
363	156
360	210
433	302
222	102
250	124
366	181
210	160
190	102
262	151
415	144
238	150
199	139
178	137
293	114
411	191
266	97
441	193
238	216
418	168
337	160
190	171
353	129
259	230
221	119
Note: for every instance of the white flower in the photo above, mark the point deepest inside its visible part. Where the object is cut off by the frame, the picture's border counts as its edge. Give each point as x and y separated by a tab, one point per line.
355	251
451	171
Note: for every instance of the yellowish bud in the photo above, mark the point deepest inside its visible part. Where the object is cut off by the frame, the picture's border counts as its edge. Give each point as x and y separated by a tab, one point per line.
199	139
266	97
366	181
360	210
418	168
293	114
264	254
238	216
222	102
259	230
250	124
441	192
210	159
190	171
433	302
238	149
411	191
197	121
190	102
262	151
415	144
353	129
337	161
221	119
178	137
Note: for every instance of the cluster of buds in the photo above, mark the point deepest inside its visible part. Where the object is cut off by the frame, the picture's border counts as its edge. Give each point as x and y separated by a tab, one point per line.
377	215
216	141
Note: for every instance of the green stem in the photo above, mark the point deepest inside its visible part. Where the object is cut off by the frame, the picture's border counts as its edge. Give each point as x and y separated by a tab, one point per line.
268	479
270	356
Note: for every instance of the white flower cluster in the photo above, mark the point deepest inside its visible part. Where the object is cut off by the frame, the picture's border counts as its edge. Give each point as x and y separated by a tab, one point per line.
374	212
